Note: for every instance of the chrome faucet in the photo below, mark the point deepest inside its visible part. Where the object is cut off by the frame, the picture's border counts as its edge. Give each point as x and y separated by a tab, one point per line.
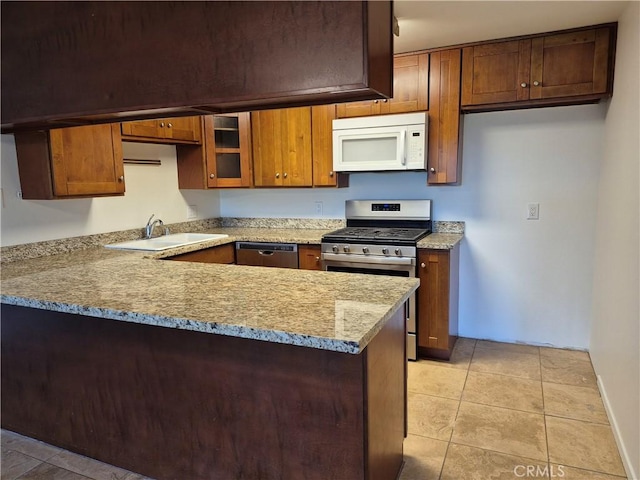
148	229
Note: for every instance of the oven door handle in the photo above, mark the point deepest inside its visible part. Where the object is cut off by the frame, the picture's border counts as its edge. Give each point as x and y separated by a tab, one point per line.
333	257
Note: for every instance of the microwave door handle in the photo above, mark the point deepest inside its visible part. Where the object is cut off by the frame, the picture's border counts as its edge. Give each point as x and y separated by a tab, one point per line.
403	146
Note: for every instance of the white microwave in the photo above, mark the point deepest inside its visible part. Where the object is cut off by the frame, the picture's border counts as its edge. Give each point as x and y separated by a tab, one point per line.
380	143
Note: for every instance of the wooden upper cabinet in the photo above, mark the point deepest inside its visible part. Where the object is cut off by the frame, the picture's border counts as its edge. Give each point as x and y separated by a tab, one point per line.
445	119
166	130
70	162
570	64
563	68
410	90
224	158
282	147
322	148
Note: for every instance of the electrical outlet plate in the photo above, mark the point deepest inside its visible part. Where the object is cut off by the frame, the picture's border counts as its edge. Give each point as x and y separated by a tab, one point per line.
192	212
533	211
318	208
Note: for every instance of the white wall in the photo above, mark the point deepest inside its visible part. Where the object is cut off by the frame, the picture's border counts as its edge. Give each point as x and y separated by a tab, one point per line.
520	280
615	336
149	189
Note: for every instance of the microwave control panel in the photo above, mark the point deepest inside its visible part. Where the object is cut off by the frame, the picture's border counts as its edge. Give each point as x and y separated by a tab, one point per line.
415	147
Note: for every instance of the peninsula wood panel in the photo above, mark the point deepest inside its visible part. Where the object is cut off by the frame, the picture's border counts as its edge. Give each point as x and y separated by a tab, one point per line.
171	403
66	62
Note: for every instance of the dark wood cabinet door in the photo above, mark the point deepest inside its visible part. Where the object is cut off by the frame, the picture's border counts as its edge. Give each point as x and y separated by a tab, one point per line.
281	141
309	257
445	120
433	299
570	64
496	72
410	85
71	162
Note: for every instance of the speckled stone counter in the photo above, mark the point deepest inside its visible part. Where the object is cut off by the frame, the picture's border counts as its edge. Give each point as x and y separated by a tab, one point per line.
326	310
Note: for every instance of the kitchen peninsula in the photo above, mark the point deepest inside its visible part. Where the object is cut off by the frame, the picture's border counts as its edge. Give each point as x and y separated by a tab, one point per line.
190	370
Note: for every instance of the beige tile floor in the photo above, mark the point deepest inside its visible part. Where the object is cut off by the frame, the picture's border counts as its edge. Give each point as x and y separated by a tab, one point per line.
495	411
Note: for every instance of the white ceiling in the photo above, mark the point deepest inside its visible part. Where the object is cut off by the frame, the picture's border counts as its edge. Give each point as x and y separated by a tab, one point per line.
430	24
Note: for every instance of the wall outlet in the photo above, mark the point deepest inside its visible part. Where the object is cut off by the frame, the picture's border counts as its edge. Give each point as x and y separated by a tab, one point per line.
318	208
533	211
192	212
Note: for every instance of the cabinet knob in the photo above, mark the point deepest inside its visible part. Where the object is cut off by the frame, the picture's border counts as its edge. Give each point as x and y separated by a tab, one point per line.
285	175
432	170
317	259
121	178
162	124
169	125
375	101
536	83
331	174
277	175
523	85
211	175
385	100
423	265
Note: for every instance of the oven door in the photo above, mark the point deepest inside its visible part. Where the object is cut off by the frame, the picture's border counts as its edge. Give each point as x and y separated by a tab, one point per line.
399	267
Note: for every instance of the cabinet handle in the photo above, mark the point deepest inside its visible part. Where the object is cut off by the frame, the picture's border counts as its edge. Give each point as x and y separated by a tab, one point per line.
422	265
285	175
169	125
277	175
211	175
331	174
536	83
523	85
121	178
432	170
162	124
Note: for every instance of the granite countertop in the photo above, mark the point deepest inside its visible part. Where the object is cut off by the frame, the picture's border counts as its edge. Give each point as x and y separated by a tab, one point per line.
327	310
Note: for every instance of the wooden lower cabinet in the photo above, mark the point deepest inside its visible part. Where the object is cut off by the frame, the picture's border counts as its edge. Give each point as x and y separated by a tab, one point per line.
309	257
437	302
220	254
70	162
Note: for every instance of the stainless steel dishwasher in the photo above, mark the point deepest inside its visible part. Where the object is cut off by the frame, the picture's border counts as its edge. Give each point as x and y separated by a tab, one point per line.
262	254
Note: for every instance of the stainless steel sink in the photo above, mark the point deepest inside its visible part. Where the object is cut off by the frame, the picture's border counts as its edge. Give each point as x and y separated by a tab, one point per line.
166	241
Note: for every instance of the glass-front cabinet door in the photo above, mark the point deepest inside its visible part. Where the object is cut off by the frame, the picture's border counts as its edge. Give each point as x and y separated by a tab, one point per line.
228	150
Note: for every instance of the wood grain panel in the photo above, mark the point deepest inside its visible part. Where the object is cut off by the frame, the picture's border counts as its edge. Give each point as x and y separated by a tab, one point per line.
180	404
309	257
220	254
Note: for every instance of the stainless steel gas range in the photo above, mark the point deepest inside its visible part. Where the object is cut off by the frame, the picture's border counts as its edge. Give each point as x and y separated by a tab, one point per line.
380	239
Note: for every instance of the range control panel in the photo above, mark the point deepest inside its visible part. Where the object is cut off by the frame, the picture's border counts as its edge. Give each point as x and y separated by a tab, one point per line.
385	207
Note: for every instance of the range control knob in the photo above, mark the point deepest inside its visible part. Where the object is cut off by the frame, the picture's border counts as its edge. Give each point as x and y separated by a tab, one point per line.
346	248
398	251
365	249
385	251
335	249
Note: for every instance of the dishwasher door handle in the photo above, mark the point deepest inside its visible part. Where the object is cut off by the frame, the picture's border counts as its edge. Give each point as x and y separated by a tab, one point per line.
266	253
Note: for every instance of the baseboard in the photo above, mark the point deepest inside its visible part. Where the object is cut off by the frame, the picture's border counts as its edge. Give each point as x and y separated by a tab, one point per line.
628	467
